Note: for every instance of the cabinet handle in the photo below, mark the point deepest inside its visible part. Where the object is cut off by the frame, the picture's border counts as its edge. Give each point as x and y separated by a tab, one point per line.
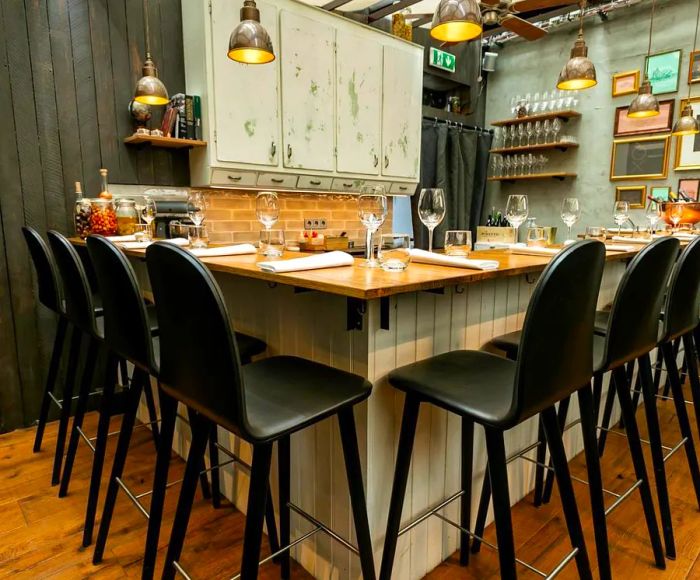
237	178
403	187
277	180
314	182
386	161
273	150
376	160
289	152
348	185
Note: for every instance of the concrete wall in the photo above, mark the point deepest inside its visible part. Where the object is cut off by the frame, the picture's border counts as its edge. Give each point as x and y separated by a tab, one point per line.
620	44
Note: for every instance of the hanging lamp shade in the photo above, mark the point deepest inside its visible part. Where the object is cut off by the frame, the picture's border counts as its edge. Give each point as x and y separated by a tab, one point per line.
687	124
150	90
645	104
456	21
579	72
250	43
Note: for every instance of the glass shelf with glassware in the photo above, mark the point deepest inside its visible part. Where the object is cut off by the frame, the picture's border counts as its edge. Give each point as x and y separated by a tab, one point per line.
563	115
561	175
561	145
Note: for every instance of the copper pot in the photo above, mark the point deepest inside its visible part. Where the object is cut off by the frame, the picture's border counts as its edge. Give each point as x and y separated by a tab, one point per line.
691	212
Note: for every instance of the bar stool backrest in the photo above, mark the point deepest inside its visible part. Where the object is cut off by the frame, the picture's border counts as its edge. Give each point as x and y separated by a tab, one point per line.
199	360
683	296
76	288
633	325
556	345
46	270
127	330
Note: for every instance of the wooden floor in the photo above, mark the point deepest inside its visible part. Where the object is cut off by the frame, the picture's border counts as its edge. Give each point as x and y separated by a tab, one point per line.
40	534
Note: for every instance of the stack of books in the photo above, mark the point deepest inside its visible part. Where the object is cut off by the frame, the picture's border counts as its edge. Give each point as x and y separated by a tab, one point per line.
183	117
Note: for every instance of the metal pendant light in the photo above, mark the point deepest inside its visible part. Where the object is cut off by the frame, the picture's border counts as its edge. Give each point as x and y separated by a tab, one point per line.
579	72
250	43
456	21
687	124
150	90
645	104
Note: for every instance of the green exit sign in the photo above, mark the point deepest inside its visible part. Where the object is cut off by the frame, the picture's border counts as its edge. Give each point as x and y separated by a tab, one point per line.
442	60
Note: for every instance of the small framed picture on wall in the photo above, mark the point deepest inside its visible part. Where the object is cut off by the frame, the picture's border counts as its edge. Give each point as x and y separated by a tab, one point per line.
660	192
663	70
689	187
634	195
625	83
694	68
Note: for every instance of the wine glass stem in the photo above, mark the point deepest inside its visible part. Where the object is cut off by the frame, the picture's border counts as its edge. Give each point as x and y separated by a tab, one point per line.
430	239
368	247
570	232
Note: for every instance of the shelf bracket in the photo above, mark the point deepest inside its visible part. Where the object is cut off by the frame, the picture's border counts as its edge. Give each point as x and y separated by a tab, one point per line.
356	309
384	310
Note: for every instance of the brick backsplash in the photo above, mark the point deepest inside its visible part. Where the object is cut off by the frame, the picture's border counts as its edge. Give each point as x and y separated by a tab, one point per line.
231	215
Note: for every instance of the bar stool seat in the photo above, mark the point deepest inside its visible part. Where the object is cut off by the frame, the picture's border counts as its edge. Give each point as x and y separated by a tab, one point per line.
280	398
463	381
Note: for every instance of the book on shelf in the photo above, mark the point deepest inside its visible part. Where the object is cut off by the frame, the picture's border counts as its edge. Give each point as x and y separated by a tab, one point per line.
182	118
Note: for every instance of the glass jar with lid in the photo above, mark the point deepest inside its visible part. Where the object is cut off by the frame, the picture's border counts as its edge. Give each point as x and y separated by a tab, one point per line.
127	216
103	217
81	213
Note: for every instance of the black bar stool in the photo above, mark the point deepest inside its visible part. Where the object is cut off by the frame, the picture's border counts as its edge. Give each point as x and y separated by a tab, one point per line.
128	333
262	402
500	394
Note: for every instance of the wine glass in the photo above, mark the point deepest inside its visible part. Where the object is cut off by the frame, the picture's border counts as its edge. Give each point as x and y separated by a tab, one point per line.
499	166
556	128
621	213
431	210
516	211
653	215
546	127
676	214
196	207
267	208
538	131
372	210
148	212
570	214
530	130
507	164
513	135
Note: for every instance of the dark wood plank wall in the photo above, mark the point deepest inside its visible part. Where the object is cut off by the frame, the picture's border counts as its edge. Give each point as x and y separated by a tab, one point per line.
67	73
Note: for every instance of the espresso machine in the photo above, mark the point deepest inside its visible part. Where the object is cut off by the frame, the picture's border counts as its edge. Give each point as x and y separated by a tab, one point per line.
171	206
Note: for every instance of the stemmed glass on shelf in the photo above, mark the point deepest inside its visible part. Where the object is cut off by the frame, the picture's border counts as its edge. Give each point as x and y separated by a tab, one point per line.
516	211
653	215
621	214
570	214
196	207
372	210
431	211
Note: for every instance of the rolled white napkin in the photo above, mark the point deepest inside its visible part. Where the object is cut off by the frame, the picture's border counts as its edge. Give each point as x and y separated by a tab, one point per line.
327	260
143	245
631	240
117	239
534	250
235	250
619	248
685	236
424	257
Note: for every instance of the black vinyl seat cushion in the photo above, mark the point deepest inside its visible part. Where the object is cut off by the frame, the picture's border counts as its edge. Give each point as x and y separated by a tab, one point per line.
466	382
284	394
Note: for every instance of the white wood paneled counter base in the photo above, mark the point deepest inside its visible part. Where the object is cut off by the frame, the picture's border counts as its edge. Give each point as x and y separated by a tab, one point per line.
421	324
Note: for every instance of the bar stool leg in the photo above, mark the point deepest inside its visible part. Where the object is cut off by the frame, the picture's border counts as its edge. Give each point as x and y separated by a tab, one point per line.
607	415
284	469
566	491
152	414
657	457
498	473
482	512
540	457
562	413
200	431
100	447
693	377
214	465
466	500
597	396
139	381
398	490
81	407
71	371
676	348
203	481
353	468
168	413
635	446
51	376
595	481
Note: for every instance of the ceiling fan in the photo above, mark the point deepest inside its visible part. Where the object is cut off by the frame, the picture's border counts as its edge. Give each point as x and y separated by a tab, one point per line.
504	13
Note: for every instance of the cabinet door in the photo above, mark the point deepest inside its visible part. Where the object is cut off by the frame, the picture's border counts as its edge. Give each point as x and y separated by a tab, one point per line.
402	111
359	101
246	96
308	56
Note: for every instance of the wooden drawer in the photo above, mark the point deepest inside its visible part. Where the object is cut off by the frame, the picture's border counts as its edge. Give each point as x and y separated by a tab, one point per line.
347	185
403	188
313	182
233	178
277	180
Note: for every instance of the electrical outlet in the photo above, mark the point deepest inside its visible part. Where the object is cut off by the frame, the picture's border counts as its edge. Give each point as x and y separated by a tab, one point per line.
315	224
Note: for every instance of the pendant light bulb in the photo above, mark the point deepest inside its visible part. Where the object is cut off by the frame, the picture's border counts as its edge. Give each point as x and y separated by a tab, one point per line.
687	124
645	104
456	21
250	43
150	90
579	72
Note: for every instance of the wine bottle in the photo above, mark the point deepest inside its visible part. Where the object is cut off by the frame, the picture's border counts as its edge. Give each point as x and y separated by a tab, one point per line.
488	221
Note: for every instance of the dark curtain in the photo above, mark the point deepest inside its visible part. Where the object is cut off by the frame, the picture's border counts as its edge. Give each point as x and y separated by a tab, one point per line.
456	161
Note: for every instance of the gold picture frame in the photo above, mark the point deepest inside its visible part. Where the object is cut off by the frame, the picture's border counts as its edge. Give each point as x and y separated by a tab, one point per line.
635	195
687	156
625	83
648	155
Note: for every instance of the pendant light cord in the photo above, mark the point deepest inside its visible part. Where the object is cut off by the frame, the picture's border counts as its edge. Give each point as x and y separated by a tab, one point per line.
651	25
695	40
146	29
582	8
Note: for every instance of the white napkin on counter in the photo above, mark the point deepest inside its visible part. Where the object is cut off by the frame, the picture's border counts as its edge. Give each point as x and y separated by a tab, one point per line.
533	250
327	260
235	250
685	236
619	248
144	244
631	240
117	239
424	257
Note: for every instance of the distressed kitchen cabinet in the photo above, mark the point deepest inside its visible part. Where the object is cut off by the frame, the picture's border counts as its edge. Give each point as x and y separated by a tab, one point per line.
246	97
401	112
308	79
358	104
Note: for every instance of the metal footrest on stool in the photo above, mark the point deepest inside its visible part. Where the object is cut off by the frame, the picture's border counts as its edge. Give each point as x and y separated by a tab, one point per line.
59	402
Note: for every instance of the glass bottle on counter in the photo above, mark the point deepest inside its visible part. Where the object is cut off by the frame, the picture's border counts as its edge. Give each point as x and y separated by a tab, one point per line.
81	213
104	188
127	216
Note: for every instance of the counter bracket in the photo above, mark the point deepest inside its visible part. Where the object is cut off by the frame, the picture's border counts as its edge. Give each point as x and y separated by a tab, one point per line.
356	309
384	306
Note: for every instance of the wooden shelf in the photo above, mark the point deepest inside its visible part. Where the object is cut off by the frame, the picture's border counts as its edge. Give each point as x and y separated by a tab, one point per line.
167	142
561	175
562	145
563	115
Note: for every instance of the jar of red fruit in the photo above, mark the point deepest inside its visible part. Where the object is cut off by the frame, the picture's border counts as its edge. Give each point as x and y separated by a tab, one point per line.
103	217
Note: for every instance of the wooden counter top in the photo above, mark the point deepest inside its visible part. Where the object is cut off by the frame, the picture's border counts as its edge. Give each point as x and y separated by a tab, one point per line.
366	283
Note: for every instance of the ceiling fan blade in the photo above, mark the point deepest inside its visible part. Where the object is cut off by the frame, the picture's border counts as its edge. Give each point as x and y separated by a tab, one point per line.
528	5
522	27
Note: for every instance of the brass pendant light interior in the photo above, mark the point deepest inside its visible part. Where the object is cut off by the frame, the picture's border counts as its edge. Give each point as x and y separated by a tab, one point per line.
687	124
249	42
645	104
456	21
150	90
579	72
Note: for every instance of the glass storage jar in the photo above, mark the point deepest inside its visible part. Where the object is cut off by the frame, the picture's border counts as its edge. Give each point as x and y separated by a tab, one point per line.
81	217
103	217
127	216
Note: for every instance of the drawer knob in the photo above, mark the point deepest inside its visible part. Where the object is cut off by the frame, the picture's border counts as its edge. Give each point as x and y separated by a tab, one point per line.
314	182
277	180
